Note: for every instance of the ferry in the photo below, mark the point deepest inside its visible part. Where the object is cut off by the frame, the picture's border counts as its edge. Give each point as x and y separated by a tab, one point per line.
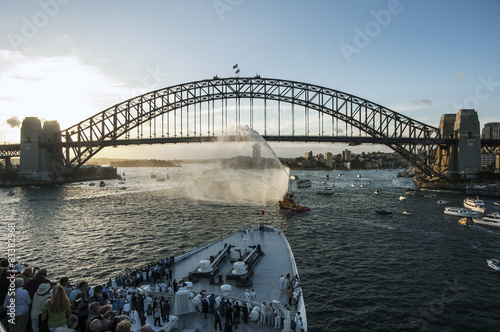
474	204
288	203
230	268
460	212
492	219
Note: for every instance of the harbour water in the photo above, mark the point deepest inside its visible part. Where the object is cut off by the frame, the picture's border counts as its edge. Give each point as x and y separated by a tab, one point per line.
360	271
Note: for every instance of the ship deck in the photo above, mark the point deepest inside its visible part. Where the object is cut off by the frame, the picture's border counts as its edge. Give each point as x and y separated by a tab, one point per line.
276	261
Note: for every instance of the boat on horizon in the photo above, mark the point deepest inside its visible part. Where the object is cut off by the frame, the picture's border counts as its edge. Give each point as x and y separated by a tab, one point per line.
460	212
442	202
475	204
326	191
492	219
304	183
383	212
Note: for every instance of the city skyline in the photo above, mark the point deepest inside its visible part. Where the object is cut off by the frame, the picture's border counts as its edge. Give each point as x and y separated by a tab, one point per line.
67	60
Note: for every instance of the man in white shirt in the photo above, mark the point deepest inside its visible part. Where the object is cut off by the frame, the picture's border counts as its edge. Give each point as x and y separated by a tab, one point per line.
18	307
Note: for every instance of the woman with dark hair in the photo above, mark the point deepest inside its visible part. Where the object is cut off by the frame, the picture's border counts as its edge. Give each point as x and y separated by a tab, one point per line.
57	309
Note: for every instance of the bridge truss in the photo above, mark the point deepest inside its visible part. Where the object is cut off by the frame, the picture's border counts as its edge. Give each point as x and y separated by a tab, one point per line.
282	109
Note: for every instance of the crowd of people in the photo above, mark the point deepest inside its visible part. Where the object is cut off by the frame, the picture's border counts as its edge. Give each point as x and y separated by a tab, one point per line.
31	302
42	305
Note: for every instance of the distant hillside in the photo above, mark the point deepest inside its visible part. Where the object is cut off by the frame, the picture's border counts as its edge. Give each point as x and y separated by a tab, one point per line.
133	162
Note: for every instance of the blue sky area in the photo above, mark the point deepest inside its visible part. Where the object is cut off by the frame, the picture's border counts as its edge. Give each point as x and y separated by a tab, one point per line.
67	60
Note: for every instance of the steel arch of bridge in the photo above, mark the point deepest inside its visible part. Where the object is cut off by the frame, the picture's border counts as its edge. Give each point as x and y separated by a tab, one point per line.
83	140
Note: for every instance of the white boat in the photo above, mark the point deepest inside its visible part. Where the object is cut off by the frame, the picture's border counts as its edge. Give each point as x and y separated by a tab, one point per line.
358	176
228	268
474	204
402	198
496	203
442	202
293	177
494	263
353	185
406	212
460	212
326	191
304	183
492	219
376	192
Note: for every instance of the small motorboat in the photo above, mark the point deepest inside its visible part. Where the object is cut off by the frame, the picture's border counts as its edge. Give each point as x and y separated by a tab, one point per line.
304	183
92	184
496	203
102	184
402	198
383	212
358	176
10	193
407	213
326	191
376	192
353	185
442	202
327	177
288	203
294	177
465	221
494	263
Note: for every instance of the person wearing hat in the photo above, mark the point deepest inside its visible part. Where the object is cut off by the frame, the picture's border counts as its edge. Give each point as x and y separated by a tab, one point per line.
19	309
40	278
41	296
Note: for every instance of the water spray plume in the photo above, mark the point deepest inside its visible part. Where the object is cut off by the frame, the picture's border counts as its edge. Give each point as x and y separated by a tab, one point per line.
243	171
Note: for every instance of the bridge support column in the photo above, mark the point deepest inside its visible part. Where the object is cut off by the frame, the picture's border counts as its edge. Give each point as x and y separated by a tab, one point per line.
464	158
37	162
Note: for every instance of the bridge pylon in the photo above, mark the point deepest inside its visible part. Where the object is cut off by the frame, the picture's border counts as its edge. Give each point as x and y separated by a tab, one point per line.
38	162
464	157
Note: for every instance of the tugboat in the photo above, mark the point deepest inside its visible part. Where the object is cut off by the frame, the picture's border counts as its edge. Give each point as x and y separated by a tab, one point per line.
288	203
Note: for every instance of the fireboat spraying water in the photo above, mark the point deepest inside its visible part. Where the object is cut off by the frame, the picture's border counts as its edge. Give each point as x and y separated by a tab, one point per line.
288	203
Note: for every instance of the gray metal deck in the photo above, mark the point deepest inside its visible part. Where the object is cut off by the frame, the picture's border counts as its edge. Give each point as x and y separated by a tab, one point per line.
277	261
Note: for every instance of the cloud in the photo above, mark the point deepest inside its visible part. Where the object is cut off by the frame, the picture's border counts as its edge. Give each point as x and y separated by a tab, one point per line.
13	122
61	88
422	102
459	74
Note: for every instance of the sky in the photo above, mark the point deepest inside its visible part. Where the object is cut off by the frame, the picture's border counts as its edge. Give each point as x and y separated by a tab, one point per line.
67	60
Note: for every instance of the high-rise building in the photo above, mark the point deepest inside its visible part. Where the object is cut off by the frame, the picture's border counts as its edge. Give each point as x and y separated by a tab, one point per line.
309	155
346	155
491	130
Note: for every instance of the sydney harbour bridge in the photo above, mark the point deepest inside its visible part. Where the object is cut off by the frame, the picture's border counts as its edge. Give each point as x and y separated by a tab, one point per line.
279	110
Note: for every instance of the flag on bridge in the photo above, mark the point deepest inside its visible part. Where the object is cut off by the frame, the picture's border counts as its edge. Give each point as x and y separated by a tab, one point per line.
235	66
238	71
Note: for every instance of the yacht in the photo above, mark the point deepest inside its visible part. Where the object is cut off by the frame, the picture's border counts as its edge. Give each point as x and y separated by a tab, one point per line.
460	212
474	204
442	202
494	263
304	183
492	219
